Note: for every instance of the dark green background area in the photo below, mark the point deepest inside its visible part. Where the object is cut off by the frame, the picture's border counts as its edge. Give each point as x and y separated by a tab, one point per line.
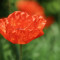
46	47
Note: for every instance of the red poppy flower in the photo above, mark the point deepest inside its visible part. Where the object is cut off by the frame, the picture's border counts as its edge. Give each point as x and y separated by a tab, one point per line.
50	20
21	28
33	8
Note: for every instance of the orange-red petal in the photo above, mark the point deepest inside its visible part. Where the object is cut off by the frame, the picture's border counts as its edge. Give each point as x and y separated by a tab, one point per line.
22	28
30	7
50	21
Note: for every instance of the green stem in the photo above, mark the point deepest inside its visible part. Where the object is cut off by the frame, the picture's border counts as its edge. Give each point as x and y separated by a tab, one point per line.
20	51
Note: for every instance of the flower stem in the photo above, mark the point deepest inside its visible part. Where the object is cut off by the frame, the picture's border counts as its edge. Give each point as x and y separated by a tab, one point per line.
20	51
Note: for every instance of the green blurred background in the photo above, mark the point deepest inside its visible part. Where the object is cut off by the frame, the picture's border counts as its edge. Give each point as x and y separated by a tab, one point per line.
46	47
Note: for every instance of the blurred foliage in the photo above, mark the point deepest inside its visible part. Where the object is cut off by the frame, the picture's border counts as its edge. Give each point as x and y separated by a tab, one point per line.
8	51
4	8
46	47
